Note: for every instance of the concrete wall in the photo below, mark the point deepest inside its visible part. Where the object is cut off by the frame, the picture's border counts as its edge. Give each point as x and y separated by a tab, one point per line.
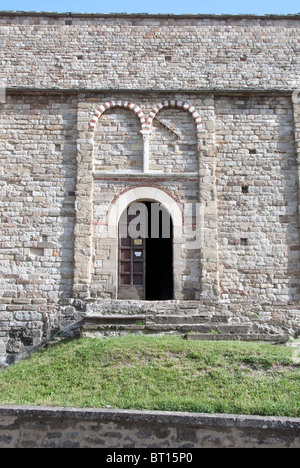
29	427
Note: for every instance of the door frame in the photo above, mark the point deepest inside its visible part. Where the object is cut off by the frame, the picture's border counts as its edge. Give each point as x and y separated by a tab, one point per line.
155	195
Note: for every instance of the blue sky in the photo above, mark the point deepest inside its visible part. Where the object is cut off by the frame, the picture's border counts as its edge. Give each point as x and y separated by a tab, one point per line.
259	7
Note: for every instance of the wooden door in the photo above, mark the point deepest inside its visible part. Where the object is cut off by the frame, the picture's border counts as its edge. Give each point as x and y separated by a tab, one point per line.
132	263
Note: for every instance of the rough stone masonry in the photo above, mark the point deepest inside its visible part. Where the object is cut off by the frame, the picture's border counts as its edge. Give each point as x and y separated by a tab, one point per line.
186	112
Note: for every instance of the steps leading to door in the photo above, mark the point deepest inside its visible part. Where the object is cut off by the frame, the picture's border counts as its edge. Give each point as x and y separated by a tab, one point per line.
113	318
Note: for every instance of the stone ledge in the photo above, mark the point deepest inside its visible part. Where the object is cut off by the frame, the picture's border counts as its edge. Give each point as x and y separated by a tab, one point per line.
199	419
145	175
28	426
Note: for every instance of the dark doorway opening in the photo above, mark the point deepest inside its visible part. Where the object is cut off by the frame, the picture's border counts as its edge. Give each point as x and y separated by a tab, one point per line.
146	253
159	250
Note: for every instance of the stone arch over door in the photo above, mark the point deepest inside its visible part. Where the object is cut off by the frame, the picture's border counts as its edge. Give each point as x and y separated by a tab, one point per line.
151	194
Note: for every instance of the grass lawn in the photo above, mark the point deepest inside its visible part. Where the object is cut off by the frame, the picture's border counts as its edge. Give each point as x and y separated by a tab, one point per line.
158	373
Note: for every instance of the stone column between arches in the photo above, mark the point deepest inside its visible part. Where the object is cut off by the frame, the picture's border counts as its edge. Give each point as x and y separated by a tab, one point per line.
206	210
83	233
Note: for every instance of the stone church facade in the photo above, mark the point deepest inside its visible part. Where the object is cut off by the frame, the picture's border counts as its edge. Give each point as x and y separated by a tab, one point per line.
197	117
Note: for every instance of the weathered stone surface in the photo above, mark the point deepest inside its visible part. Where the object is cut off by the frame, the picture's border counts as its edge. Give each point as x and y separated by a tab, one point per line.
205	116
158	52
31	427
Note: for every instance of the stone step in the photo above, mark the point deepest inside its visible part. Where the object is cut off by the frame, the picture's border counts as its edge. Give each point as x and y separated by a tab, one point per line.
190	327
201	328
119	307
155	319
95	319
156	328
182	319
242	337
182	324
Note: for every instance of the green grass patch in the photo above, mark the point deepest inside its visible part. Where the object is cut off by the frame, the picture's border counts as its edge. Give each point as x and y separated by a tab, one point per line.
158	373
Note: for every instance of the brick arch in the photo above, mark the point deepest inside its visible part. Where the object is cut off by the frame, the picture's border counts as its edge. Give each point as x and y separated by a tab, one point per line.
178	104
120	103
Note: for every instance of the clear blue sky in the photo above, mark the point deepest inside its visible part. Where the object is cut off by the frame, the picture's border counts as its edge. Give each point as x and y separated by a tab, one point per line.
259	7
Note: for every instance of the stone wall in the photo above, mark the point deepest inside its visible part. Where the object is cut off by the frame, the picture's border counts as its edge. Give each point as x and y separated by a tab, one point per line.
29	427
149	52
37	154
257	200
182	110
247	186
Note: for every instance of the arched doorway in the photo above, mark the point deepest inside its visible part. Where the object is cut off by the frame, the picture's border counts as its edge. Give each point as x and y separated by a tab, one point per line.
145	252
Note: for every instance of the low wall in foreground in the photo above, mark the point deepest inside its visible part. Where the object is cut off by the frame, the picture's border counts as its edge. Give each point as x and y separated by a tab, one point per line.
37	427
